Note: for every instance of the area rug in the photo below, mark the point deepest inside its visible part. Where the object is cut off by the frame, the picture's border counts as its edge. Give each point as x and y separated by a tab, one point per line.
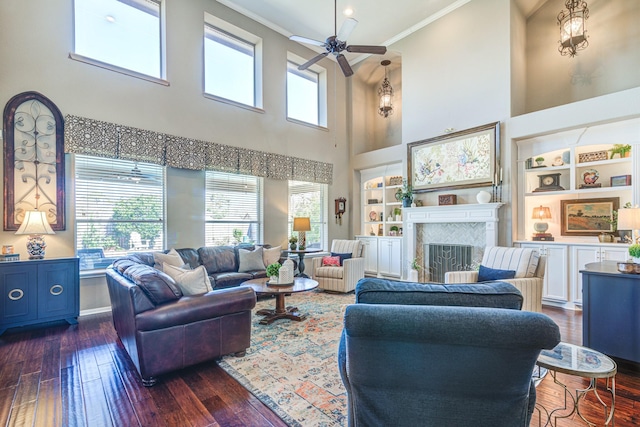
292	366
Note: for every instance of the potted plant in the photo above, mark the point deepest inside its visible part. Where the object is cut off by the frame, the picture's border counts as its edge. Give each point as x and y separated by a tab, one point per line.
293	240
272	271
406	193
414	270
634	252
624	150
540	161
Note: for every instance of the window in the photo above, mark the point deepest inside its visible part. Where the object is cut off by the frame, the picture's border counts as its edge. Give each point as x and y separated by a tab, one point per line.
119	209
233	209
232	59
306	92
308	199
123	33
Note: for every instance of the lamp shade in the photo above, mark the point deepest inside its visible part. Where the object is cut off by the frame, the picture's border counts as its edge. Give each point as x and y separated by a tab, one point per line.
541	212
629	219
35	222
302	224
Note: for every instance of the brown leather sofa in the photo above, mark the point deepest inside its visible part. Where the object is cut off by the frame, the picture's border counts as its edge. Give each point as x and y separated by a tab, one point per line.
162	330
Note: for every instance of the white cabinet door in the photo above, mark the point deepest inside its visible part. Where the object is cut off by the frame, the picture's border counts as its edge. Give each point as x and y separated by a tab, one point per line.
583	255
370	254
556	278
390	257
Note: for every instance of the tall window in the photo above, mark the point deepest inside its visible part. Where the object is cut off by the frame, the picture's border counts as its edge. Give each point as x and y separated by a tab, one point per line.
233	209
119	209
124	33
232	63
302	94
307	199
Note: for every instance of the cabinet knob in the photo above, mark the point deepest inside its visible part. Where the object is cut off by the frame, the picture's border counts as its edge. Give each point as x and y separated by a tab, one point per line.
16	294
56	289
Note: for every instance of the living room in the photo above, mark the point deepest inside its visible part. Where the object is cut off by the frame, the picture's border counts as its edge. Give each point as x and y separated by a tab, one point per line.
482	62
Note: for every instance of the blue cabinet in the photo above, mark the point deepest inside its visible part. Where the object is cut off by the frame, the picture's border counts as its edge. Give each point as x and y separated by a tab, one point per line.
39	291
610	315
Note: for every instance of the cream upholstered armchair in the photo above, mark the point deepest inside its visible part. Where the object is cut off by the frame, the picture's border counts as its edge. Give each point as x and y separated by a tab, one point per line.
341	278
528	269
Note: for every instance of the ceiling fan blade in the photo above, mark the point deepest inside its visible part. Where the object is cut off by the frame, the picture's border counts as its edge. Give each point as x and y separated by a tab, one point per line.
346	28
344	64
376	50
312	61
301	39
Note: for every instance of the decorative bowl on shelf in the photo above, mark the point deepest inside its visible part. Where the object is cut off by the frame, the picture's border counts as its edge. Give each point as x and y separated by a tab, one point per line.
629	267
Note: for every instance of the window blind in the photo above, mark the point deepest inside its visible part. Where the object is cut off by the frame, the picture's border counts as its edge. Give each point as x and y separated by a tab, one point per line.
308	199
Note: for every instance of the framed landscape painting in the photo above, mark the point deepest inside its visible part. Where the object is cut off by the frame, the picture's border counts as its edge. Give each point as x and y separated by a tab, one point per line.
588	217
460	159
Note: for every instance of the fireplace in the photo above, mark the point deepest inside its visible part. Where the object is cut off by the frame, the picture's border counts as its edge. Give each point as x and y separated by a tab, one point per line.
440	258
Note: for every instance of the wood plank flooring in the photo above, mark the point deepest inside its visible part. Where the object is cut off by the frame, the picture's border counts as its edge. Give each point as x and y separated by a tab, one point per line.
80	375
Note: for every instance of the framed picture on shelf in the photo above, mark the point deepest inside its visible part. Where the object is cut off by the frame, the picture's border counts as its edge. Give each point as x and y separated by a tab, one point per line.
587	217
459	159
620	180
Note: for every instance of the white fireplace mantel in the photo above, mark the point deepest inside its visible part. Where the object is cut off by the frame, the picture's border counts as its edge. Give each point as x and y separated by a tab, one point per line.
486	213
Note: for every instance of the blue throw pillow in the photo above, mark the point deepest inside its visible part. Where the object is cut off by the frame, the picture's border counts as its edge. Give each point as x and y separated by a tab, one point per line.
342	256
487	274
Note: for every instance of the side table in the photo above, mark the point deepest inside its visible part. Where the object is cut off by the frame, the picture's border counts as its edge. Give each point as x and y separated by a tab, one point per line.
582	362
301	253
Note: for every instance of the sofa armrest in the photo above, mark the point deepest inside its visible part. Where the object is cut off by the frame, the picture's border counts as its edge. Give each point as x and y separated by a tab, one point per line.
461	277
316	263
531	290
190	309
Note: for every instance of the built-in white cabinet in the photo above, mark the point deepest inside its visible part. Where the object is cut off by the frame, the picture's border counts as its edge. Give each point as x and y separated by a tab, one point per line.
582	255
556	279
370	251
390	257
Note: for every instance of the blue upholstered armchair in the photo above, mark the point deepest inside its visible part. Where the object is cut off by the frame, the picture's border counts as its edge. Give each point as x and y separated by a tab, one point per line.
441	355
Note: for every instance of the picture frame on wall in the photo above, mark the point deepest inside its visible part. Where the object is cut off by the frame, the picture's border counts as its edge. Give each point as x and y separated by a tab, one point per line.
466	159
588	217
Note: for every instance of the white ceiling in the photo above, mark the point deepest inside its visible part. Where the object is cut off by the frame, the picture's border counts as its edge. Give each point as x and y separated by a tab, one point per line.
380	22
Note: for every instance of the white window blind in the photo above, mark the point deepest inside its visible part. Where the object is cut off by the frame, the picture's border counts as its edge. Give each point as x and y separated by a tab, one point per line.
308	199
125	33
119	209
233	209
302	94
229	66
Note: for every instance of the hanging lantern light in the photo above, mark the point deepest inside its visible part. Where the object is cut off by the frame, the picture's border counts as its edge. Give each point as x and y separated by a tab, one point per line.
573	35
385	93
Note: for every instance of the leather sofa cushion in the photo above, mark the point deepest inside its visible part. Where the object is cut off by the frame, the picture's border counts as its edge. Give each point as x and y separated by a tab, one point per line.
122	264
229	279
189	256
218	259
159	287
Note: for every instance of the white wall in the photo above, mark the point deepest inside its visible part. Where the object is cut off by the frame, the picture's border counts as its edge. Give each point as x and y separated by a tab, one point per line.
37	36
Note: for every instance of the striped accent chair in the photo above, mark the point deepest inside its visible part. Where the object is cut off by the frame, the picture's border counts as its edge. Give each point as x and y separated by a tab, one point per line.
526	262
344	278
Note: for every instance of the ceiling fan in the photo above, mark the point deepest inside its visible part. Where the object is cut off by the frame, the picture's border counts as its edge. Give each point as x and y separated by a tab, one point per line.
337	43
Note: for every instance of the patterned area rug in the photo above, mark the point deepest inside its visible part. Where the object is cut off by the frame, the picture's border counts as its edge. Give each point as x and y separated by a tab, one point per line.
292	366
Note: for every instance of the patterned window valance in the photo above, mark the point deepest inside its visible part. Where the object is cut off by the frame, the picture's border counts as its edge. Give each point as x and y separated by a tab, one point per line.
98	138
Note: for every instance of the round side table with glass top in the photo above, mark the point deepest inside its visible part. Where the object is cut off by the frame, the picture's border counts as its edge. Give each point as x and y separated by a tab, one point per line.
582	362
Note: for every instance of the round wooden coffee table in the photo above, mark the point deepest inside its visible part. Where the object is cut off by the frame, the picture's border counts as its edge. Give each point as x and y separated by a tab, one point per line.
300	284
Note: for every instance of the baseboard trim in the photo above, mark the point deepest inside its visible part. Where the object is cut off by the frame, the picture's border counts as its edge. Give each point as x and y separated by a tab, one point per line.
95	311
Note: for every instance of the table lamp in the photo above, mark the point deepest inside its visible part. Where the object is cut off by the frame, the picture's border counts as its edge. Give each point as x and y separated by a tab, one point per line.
541	213
629	219
35	224
302	225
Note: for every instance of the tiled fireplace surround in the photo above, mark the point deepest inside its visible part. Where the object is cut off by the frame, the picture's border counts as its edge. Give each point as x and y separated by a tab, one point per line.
472	224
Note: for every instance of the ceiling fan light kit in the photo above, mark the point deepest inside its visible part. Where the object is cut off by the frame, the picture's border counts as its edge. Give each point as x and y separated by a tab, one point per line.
337	43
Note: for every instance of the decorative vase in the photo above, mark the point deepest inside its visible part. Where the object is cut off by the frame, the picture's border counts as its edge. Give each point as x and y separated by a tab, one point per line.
636	260
406	202
273	279
413	275
292	246
605	238
483	197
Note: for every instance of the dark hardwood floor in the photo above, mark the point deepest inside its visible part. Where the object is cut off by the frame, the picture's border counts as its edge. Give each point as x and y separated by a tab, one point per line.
63	375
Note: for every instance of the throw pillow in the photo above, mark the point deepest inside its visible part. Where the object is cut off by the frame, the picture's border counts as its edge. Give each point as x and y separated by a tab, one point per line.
331	261
250	260
172	258
271	255
342	257
486	274
191	282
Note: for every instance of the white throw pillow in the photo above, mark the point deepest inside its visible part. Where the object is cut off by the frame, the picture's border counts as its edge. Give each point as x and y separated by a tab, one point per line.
271	255
172	258
250	260
191	282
